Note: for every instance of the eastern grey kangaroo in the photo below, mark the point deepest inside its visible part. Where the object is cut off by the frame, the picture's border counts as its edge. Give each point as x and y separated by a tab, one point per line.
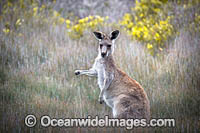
124	95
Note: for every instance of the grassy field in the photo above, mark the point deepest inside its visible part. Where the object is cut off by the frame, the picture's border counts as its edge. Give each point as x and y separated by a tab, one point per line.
37	77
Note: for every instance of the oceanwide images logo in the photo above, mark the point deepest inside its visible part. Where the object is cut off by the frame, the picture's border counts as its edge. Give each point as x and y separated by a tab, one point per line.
47	121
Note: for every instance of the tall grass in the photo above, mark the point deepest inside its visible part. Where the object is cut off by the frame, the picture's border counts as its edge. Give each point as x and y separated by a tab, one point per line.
37	77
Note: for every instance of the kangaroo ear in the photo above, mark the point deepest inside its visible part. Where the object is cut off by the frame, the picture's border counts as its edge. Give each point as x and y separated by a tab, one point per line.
114	34
98	35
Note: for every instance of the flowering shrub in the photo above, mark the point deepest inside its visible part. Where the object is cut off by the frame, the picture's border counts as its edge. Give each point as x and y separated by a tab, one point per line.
149	23
44	15
17	14
197	22
77	28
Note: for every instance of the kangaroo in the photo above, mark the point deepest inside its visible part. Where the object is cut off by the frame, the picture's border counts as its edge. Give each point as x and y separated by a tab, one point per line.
124	95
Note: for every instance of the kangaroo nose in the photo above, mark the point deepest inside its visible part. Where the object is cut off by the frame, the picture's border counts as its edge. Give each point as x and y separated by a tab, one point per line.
103	54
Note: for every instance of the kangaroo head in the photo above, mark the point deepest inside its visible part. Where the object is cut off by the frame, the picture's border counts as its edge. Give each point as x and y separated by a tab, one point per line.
106	42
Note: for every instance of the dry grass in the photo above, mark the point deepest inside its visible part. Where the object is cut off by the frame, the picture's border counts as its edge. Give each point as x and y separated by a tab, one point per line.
40	79
37	77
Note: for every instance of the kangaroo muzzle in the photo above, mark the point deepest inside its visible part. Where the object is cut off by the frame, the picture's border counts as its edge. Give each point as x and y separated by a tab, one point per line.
103	51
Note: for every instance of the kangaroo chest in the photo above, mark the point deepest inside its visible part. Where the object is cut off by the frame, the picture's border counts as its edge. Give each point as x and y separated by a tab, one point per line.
100	67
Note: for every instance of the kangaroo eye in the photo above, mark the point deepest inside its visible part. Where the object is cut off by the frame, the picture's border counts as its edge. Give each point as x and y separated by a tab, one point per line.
109	46
101	45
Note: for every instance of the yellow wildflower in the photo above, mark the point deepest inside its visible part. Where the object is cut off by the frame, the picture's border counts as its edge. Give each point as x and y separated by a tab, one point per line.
91	17
157	37
35	11
56	14
67	21
61	20
18	22
149	46
86	19
101	20
43	6
81	21
6	30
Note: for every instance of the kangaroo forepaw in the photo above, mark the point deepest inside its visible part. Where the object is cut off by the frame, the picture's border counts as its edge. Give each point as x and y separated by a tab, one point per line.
101	100
77	72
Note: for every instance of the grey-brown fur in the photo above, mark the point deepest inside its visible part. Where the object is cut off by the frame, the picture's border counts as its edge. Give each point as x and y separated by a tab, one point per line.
124	95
